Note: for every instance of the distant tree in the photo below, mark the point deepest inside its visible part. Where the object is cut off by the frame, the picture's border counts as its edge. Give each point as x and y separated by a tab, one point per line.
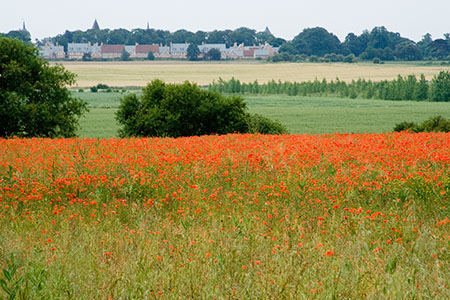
34	99
407	51
421	89
316	41
213	54
150	56
125	55
219	37
353	44
244	35
376	60
313	58
288	47
20	35
424	44
440	87
197	38
439	48
193	52
117	36
282	57
86	56
181	36
350	59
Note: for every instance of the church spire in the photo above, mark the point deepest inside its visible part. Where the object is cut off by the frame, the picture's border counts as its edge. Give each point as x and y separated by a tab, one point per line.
95	26
24	28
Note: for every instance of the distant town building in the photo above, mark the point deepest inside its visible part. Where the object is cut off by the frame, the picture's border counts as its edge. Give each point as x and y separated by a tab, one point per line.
75	51
51	51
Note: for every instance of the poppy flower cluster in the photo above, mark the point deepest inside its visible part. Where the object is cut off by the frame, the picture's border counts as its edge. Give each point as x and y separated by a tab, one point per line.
237	216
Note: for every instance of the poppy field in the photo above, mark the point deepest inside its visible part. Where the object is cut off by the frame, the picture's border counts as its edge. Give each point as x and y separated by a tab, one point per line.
226	217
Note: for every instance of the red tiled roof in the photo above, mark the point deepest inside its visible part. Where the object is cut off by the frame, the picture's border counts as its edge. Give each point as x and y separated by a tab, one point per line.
249	53
112	48
147	48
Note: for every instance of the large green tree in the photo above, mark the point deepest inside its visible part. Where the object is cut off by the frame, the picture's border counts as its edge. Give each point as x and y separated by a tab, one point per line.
34	99
176	110
317	41
192	52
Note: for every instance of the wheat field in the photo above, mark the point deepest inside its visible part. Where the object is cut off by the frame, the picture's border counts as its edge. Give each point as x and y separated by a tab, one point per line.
139	73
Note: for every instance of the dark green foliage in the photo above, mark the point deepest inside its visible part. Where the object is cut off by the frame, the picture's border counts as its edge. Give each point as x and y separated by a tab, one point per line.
176	110
150	56
260	124
350	59
316	41
440	87
213	54
434	124
407	51
193	52
404	126
34	100
102	86
281	57
376	60
86	57
125	56
22	35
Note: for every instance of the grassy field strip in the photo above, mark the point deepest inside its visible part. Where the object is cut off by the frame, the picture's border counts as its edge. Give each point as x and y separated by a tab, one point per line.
140	73
314	115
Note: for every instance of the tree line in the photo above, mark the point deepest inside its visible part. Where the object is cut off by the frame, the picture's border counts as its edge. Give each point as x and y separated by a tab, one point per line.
379	43
403	88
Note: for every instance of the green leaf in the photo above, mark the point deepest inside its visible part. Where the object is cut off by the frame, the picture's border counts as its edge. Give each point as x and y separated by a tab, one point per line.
7	275
5	286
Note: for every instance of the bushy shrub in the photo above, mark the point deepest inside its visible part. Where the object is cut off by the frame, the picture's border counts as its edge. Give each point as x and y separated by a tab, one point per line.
260	124
434	124
102	86
404	126
440	87
176	110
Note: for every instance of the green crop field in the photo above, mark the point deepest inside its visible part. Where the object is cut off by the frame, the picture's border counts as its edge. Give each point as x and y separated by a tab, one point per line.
315	115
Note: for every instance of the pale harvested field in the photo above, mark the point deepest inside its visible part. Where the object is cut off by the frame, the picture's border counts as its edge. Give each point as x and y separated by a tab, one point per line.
141	72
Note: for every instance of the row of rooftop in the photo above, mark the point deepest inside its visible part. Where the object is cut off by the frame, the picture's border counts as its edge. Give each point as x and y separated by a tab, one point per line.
76	51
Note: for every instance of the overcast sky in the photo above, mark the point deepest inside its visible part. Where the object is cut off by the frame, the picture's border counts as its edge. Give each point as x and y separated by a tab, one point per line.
411	18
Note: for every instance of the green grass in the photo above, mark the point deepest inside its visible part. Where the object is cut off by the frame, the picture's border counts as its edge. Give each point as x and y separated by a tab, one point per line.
317	115
314	115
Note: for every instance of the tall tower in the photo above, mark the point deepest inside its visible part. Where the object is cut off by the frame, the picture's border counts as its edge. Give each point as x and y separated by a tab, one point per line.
148	26
24	28
95	26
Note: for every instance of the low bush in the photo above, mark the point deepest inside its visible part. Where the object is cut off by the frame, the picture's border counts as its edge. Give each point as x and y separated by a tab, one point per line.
434	124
